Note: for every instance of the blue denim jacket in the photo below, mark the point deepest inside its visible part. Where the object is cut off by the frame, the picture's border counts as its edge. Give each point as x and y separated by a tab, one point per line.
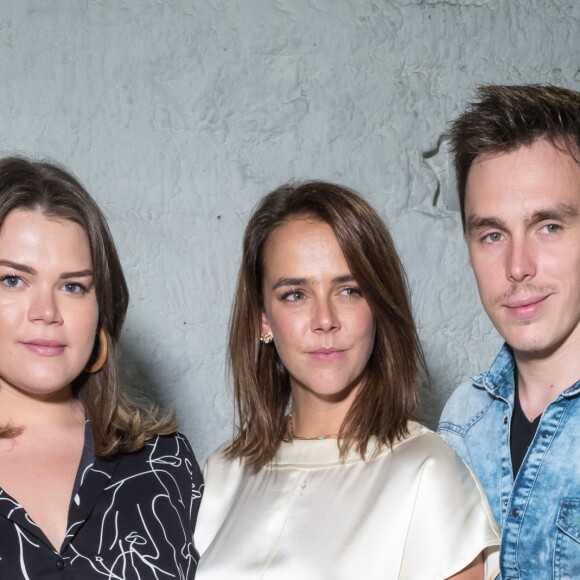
539	512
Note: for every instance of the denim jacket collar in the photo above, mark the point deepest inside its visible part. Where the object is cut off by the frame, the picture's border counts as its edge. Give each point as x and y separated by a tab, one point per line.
498	380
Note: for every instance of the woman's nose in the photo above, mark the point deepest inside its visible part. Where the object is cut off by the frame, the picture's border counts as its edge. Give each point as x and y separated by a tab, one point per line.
324	316
44	307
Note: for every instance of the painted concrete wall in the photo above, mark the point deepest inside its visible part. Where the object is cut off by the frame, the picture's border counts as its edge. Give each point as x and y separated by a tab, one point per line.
178	115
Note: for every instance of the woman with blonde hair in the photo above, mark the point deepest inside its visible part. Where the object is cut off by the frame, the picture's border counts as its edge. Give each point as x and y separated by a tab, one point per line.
328	475
91	481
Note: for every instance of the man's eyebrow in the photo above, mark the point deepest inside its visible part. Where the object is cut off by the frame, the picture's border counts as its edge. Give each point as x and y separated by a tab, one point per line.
20	267
478	223
79	274
560	212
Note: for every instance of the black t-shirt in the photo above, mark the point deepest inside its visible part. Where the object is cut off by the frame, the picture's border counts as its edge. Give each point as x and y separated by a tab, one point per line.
522	432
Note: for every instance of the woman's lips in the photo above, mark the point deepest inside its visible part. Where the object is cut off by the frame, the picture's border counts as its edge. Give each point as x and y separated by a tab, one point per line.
44	347
327	354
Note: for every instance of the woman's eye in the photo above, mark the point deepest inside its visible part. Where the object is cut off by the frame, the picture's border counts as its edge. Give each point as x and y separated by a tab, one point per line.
11	281
292	296
352	292
75	288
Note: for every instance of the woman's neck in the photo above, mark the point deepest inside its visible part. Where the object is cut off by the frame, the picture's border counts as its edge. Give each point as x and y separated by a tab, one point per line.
20	409
314	418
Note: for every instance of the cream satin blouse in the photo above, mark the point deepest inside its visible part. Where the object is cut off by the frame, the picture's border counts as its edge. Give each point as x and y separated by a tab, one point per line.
415	512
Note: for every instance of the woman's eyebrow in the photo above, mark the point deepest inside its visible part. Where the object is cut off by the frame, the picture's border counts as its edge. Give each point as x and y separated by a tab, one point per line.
29	270
343	279
19	267
290	282
79	274
304	281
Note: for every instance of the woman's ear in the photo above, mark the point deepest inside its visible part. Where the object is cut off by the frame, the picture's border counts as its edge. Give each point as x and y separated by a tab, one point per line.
265	324
266	335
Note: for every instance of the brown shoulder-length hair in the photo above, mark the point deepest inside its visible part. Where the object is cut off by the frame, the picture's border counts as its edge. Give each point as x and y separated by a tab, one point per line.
118	423
391	384
505	117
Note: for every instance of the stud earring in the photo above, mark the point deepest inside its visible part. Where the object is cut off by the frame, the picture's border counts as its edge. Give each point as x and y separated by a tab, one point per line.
103	351
267	338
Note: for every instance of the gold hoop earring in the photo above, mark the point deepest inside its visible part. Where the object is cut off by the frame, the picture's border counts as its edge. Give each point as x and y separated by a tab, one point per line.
267	338
103	351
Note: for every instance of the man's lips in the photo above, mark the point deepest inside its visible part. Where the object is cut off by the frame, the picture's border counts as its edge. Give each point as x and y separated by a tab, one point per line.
526	307
44	347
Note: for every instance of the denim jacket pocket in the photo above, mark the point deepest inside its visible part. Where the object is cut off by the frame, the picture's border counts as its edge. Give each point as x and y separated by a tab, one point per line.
567	554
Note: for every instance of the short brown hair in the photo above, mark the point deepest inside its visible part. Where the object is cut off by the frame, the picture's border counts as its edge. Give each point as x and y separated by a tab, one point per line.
504	118
118	423
391	382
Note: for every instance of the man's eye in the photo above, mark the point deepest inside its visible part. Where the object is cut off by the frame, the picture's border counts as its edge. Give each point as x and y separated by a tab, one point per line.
552	228
494	237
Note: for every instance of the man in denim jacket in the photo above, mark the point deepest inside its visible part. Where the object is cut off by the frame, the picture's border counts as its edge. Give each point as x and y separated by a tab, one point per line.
517	155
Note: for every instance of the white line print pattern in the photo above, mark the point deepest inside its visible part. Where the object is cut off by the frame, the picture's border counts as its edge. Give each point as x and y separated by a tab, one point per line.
140	526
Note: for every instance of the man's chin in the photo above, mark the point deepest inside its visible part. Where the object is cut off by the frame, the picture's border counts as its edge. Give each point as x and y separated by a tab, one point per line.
534	348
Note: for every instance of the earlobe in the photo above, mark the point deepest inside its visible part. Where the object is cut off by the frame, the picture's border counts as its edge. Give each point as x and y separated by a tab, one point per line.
266	335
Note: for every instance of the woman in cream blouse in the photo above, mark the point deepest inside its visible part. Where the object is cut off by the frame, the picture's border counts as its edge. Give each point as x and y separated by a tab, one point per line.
327	475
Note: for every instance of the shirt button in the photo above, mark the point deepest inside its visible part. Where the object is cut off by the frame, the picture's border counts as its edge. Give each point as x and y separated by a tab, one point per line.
60	564
515	512
505	420
505	502
545	434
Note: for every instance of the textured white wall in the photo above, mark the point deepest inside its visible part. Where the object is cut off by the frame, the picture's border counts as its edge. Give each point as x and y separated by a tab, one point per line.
178	115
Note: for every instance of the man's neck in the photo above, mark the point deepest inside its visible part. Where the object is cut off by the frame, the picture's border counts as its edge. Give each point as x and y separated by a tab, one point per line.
541	379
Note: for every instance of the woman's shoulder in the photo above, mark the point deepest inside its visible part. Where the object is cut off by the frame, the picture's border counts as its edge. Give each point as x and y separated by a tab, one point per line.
451	521
219	462
174	441
441	470
174	445
422	443
432	458
162	454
